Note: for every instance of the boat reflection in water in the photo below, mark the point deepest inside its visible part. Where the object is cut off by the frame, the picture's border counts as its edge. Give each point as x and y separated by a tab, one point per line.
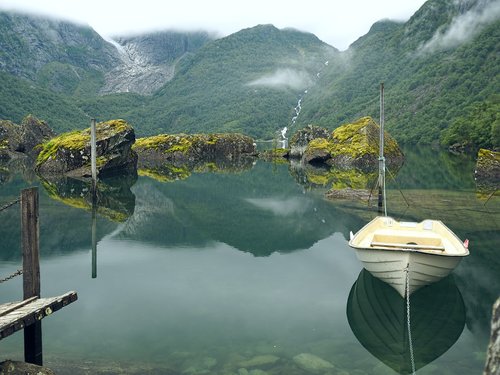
377	316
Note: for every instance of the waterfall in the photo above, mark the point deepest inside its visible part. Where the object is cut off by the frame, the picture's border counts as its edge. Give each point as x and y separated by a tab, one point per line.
282	141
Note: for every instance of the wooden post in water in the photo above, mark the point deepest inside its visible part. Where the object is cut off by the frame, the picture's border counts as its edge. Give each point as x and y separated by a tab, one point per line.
93	158
94	239
30	234
381	161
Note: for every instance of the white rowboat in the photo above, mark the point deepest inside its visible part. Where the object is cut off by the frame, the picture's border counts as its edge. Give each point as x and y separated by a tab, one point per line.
393	251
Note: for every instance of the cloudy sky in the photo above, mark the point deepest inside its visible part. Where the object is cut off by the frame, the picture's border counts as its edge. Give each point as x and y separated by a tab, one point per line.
338	23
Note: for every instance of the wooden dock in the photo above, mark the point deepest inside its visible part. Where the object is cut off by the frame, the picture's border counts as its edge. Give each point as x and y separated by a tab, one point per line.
15	316
27	314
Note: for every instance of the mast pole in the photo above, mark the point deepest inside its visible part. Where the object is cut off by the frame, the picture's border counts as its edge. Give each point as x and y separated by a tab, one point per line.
381	159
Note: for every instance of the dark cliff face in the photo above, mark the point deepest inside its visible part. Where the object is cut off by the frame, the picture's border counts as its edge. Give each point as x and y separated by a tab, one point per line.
29	42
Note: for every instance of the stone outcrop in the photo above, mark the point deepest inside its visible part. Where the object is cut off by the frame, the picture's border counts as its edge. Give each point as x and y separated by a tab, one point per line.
69	153
21	140
354	145
487	171
301	139
493	356
193	149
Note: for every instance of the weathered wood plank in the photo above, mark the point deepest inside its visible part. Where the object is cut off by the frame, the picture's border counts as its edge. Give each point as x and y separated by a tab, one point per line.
11	306
32	312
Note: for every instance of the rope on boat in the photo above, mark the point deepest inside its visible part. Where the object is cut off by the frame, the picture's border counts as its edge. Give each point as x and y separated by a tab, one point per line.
407	290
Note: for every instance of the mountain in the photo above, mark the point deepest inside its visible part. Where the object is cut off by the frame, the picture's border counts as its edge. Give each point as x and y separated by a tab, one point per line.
247	82
440	70
56	55
148	61
437	67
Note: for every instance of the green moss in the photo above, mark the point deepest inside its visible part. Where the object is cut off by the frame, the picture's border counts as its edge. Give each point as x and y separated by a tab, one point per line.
4	144
320	144
488	154
361	138
101	161
182	145
75	140
354	139
108	128
165	143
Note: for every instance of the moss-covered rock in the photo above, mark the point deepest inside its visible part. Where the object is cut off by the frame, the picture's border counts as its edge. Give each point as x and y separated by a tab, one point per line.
69	153
277	154
301	139
354	145
192	149
487	171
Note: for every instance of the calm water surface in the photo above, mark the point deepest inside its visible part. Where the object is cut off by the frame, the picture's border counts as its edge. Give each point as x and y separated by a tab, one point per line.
248	271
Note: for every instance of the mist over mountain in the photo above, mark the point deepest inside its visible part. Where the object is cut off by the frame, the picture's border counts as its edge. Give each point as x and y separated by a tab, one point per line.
440	70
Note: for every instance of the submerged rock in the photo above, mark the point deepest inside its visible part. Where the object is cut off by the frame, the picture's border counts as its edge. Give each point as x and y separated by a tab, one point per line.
487	171
354	145
312	363
261	361
21	368
350	194
69	153
301	139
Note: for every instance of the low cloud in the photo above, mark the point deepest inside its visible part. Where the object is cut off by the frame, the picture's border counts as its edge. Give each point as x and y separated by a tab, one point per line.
281	207
463	28
284	78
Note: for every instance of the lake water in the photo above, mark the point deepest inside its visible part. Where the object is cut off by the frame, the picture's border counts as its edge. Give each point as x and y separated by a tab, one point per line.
247	271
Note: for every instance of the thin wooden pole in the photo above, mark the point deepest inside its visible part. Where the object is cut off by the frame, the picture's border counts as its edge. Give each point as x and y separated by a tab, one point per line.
30	235
94	239
93	152
93	157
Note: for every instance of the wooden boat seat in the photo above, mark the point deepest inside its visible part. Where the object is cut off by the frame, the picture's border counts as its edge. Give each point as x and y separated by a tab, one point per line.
406	246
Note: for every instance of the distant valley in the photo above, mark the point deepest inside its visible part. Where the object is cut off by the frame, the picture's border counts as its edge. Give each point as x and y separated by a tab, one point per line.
442	84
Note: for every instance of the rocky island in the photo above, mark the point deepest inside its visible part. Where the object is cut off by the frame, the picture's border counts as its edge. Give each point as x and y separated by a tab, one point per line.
69	153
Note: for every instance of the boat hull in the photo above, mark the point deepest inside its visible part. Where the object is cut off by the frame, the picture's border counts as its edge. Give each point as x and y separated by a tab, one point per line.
393	267
393	251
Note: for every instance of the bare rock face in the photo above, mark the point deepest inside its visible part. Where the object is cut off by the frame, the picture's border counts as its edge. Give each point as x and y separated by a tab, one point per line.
20	140
146	62
33	133
354	145
69	153
301	139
